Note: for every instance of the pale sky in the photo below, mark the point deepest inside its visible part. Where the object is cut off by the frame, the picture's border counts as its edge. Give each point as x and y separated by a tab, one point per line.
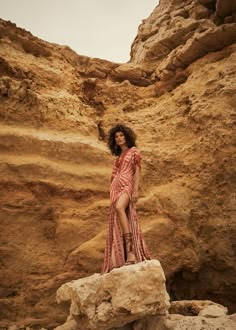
95	28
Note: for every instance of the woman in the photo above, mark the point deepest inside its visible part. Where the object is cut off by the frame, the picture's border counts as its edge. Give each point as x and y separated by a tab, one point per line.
124	244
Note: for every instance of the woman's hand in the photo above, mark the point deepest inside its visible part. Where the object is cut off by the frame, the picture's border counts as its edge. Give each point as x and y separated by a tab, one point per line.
135	196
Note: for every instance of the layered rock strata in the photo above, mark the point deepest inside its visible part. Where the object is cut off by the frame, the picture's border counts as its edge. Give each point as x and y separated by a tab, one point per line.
178	93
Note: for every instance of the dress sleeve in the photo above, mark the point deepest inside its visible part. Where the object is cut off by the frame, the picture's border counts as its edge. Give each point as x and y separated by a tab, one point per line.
136	158
114	169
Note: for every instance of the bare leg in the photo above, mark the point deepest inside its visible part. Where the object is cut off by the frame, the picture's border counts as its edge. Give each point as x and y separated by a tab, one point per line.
121	206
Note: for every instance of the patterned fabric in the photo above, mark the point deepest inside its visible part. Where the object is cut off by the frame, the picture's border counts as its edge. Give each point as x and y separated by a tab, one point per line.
122	180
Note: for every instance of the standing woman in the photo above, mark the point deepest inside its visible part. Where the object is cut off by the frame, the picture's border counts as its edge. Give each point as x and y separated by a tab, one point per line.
125	244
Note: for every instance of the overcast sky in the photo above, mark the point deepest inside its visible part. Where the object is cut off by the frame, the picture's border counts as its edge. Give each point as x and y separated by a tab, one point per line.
96	28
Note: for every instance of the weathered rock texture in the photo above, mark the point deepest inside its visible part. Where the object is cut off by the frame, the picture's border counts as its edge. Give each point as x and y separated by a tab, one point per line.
119	297
180	322
186	315
136	293
197	307
178	94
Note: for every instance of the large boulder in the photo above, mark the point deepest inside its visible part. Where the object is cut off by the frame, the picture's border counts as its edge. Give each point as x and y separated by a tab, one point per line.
116	298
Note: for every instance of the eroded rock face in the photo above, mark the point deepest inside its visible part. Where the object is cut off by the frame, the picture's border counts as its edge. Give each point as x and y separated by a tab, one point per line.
178	33
174	22
178	93
179	322
119	297
185	315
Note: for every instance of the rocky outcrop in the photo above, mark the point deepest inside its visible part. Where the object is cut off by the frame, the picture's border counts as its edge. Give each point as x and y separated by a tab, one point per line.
185	315
180	322
178	93
175	24
135	297
119	297
92	309
177	34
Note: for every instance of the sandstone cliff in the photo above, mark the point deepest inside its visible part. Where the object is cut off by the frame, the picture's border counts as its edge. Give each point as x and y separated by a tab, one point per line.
178	94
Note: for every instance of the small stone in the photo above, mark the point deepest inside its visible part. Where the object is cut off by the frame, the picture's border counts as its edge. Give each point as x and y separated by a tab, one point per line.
213	311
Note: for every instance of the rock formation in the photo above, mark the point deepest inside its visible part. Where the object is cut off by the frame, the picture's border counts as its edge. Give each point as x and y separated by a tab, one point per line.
111	300
180	322
135	293
178	93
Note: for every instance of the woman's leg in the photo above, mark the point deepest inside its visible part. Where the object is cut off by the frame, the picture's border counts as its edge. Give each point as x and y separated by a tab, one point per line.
120	207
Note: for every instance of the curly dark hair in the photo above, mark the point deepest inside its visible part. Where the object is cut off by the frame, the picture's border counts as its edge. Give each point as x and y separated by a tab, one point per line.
129	134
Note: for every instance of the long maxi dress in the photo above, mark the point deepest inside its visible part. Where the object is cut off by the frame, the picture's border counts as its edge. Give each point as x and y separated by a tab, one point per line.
122	181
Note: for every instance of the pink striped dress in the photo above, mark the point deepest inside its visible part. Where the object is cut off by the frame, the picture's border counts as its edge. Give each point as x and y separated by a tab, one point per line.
122	180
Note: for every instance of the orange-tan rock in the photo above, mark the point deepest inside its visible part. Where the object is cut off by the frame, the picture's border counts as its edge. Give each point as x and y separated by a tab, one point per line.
56	107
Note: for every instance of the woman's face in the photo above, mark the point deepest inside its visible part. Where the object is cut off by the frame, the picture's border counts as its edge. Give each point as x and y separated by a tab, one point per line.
120	139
